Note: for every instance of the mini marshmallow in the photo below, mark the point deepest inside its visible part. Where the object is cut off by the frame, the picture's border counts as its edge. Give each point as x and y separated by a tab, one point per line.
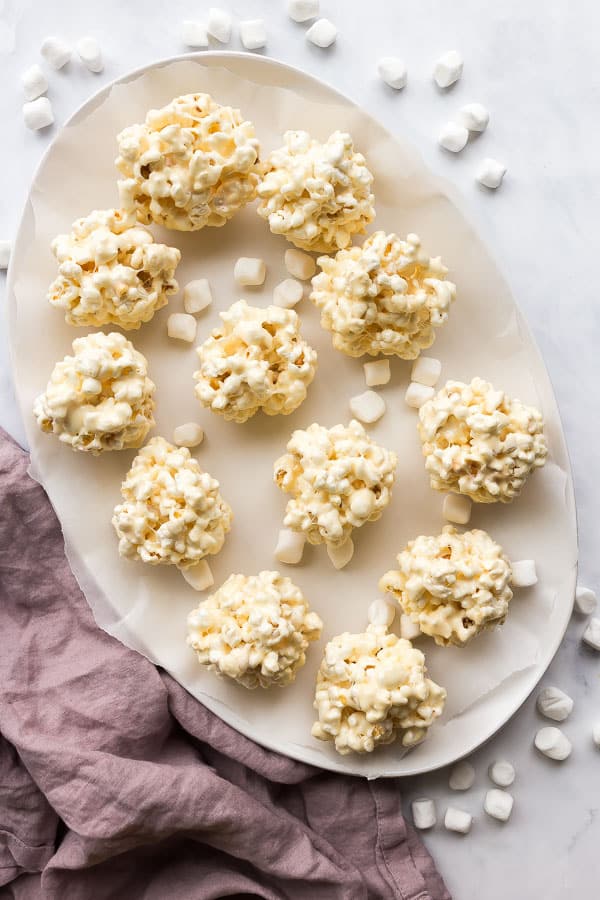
249	270
426	370
199	576
288	293
457	508
453	137
554	704
591	635
458	820
90	54
219	24
423	813
409	630
189	435
553	743
323	33
474	116
5	251
299	264
523	573
502	772
196	296
392	70
585	601
418	394
194	34
38	114
381	612
448	68
490	173
290	546
596	734
367	407
462	776
57	53
35	82
341	556
253	34
377	372
303	10
498	804
182	327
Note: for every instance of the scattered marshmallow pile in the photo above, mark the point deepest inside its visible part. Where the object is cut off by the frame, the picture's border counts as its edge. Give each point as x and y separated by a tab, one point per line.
218	27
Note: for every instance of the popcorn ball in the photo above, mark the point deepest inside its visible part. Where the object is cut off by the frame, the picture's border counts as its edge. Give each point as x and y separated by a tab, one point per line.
372	689
254	629
479	442
256	360
190	164
172	512
100	398
384	297
453	585
339	478
317	195
111	271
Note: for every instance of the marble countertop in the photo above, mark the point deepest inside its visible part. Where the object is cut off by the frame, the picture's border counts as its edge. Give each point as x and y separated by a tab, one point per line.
534	64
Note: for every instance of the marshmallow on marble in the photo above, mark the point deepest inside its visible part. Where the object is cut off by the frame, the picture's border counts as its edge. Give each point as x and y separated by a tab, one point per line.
219	24
341	555
299	264
188	435
381	612
448	68
453	137
474	116
90	54
523	573
409	630
288	293
552	742
323	33
458	820
290	546
37	114
194	34
498	804
423	813
418	394
56	52
392	70
35	82
457	508
253	34
585	601
367	407
462	776
377	372
426	370
596	734
196	296
249	271
199	576
490	173
182	327
303	10
554	704
502	772
5	251
591	635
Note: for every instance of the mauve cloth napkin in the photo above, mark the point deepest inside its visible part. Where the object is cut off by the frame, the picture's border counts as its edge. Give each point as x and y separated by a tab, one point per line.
116	783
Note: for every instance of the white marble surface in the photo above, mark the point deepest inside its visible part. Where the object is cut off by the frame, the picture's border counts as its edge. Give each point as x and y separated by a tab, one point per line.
534	63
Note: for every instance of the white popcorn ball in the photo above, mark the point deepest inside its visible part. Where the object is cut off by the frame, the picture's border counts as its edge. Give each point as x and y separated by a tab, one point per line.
188	435
38	114
182	327
290	547
322	33
341	554
409	629
554	703
457	508
299	264
100	398
35	82
372	689
392	70
596	734
474	116
423	813
385	297
303	10
458	820
480	442
490	173
317	195
448	68
462	776
255	629
172	512
585	599
197	296
426	370
194	34
321	470
111	271
249	270
56	52
219	24
288	293
523	573
417	394
591	635
377	372
199	576
190	164
553	743
367	407
453	137
454	585
90	54
257	359
381	612
498	804
5	251
502	772
253	34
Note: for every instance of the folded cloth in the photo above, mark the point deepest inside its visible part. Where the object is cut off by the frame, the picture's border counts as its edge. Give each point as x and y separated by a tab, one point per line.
116	783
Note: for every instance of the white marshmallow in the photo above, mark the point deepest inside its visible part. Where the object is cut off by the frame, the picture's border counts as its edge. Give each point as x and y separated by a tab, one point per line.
490	173
474	116
341	556
367	407
448	68
299	264
417	394
182	327
498	804
38	114
392	70
90	54
591	635
523	573
189	435
377	372
423	813
253	34
249	270
596	734
290	546
426	370
194	34
453	137
35	82
462	776
585	601
199	576
457	508
196	296
458	820
288	293
409	630
303	10
5	251
57	53
323	33
554	703
381	612
219	24
553	743
502	772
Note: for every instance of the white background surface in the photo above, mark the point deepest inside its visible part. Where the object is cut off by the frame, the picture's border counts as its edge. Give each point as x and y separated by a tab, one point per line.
534	65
